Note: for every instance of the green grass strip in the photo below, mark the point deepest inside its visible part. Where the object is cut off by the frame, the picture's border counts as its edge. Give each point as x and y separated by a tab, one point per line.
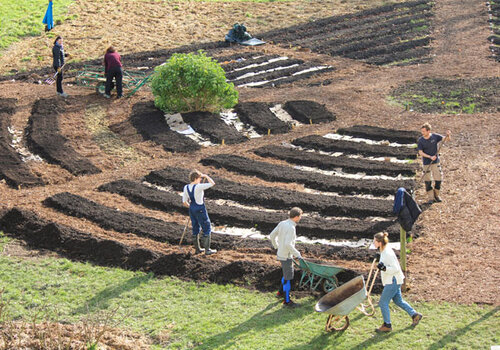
183	315
21	18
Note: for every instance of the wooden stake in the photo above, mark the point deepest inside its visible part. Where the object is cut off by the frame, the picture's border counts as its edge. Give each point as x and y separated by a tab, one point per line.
402	253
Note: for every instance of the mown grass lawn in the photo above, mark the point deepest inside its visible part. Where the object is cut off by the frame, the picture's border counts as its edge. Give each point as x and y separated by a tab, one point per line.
22	18
210	316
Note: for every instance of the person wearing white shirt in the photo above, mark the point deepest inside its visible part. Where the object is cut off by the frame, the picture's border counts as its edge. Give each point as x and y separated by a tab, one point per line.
193	198
392	278
283	238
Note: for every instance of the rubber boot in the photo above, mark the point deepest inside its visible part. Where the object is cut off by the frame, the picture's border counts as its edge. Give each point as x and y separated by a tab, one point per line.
206	243
196	244
430	197
436	196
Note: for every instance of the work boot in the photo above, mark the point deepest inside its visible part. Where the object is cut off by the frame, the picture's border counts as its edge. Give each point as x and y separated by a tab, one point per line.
384	328
436	196
430	197
196	244
290	304
206	243
416	319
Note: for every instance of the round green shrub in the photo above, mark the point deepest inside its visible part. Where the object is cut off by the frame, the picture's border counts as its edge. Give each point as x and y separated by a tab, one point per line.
192	83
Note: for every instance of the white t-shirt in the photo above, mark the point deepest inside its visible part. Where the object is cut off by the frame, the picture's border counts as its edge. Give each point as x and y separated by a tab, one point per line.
199	192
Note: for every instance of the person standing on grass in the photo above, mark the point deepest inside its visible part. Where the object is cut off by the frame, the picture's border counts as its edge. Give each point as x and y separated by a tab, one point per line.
58	56
113	69
283	239
392	278
428	149
192	197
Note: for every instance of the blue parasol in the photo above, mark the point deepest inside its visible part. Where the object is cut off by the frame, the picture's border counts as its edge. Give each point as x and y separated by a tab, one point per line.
48	20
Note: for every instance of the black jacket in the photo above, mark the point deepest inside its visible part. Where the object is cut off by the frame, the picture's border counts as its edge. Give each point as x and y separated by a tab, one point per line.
58	56
409	212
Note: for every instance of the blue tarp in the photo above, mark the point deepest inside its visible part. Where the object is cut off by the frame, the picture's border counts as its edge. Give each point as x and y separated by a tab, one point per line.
48	20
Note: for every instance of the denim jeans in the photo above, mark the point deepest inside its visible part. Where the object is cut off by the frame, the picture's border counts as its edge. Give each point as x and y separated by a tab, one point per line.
393	291
200	219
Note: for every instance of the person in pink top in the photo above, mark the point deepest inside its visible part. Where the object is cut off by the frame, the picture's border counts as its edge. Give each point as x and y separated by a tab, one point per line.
113	69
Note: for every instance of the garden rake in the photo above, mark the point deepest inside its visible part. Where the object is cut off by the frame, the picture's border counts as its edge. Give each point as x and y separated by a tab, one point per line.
52	79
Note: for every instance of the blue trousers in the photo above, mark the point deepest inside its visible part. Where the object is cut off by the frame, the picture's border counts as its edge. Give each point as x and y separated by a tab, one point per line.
393	291
200	220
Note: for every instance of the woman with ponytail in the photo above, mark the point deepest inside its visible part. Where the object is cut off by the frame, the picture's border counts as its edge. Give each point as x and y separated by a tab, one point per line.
392	278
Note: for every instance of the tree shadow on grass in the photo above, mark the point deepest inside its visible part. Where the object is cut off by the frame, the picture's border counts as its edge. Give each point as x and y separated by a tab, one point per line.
101	300
259	322
450	337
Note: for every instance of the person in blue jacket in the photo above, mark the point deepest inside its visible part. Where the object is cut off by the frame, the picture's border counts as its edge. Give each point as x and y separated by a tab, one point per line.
58	56
192	197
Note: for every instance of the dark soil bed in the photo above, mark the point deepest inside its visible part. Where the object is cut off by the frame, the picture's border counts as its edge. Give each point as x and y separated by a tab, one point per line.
327	162
309	112
261	118
277	198
44	138
272	172
381	134
451	96
213	127
85	247
264	221
13	170
150	123
320	143
364	35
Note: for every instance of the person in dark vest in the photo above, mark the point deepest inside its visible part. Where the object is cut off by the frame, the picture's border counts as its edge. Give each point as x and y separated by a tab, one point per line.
58	56
192	197
283	239
428	149
392	278
113	69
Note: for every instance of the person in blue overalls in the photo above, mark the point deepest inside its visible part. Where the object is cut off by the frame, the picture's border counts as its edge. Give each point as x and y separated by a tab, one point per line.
192	197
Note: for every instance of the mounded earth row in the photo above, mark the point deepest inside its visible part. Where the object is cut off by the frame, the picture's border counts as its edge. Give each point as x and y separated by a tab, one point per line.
262	220
392	24
261	118
325	144
327	162
44	138
381	134
13	170
83	246
277	198
317	181
326	35
161	231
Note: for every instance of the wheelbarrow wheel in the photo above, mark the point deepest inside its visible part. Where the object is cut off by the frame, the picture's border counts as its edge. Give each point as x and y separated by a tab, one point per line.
329	285
100	88
337	323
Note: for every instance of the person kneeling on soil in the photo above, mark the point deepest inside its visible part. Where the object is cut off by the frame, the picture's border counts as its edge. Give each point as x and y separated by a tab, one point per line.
283	238
192	197
392	278
113	69
428	149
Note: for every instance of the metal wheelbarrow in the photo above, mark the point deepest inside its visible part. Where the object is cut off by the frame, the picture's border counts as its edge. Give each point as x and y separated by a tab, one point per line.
314	275
344	299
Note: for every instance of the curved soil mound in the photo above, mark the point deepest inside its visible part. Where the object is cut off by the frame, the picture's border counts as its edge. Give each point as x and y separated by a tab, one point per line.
45	139
15	172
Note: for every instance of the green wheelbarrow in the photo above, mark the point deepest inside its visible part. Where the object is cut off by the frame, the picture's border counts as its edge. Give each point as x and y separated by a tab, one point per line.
93	77
316	275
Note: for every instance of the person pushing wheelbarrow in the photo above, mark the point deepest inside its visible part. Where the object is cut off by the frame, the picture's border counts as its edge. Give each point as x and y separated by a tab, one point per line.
283	239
